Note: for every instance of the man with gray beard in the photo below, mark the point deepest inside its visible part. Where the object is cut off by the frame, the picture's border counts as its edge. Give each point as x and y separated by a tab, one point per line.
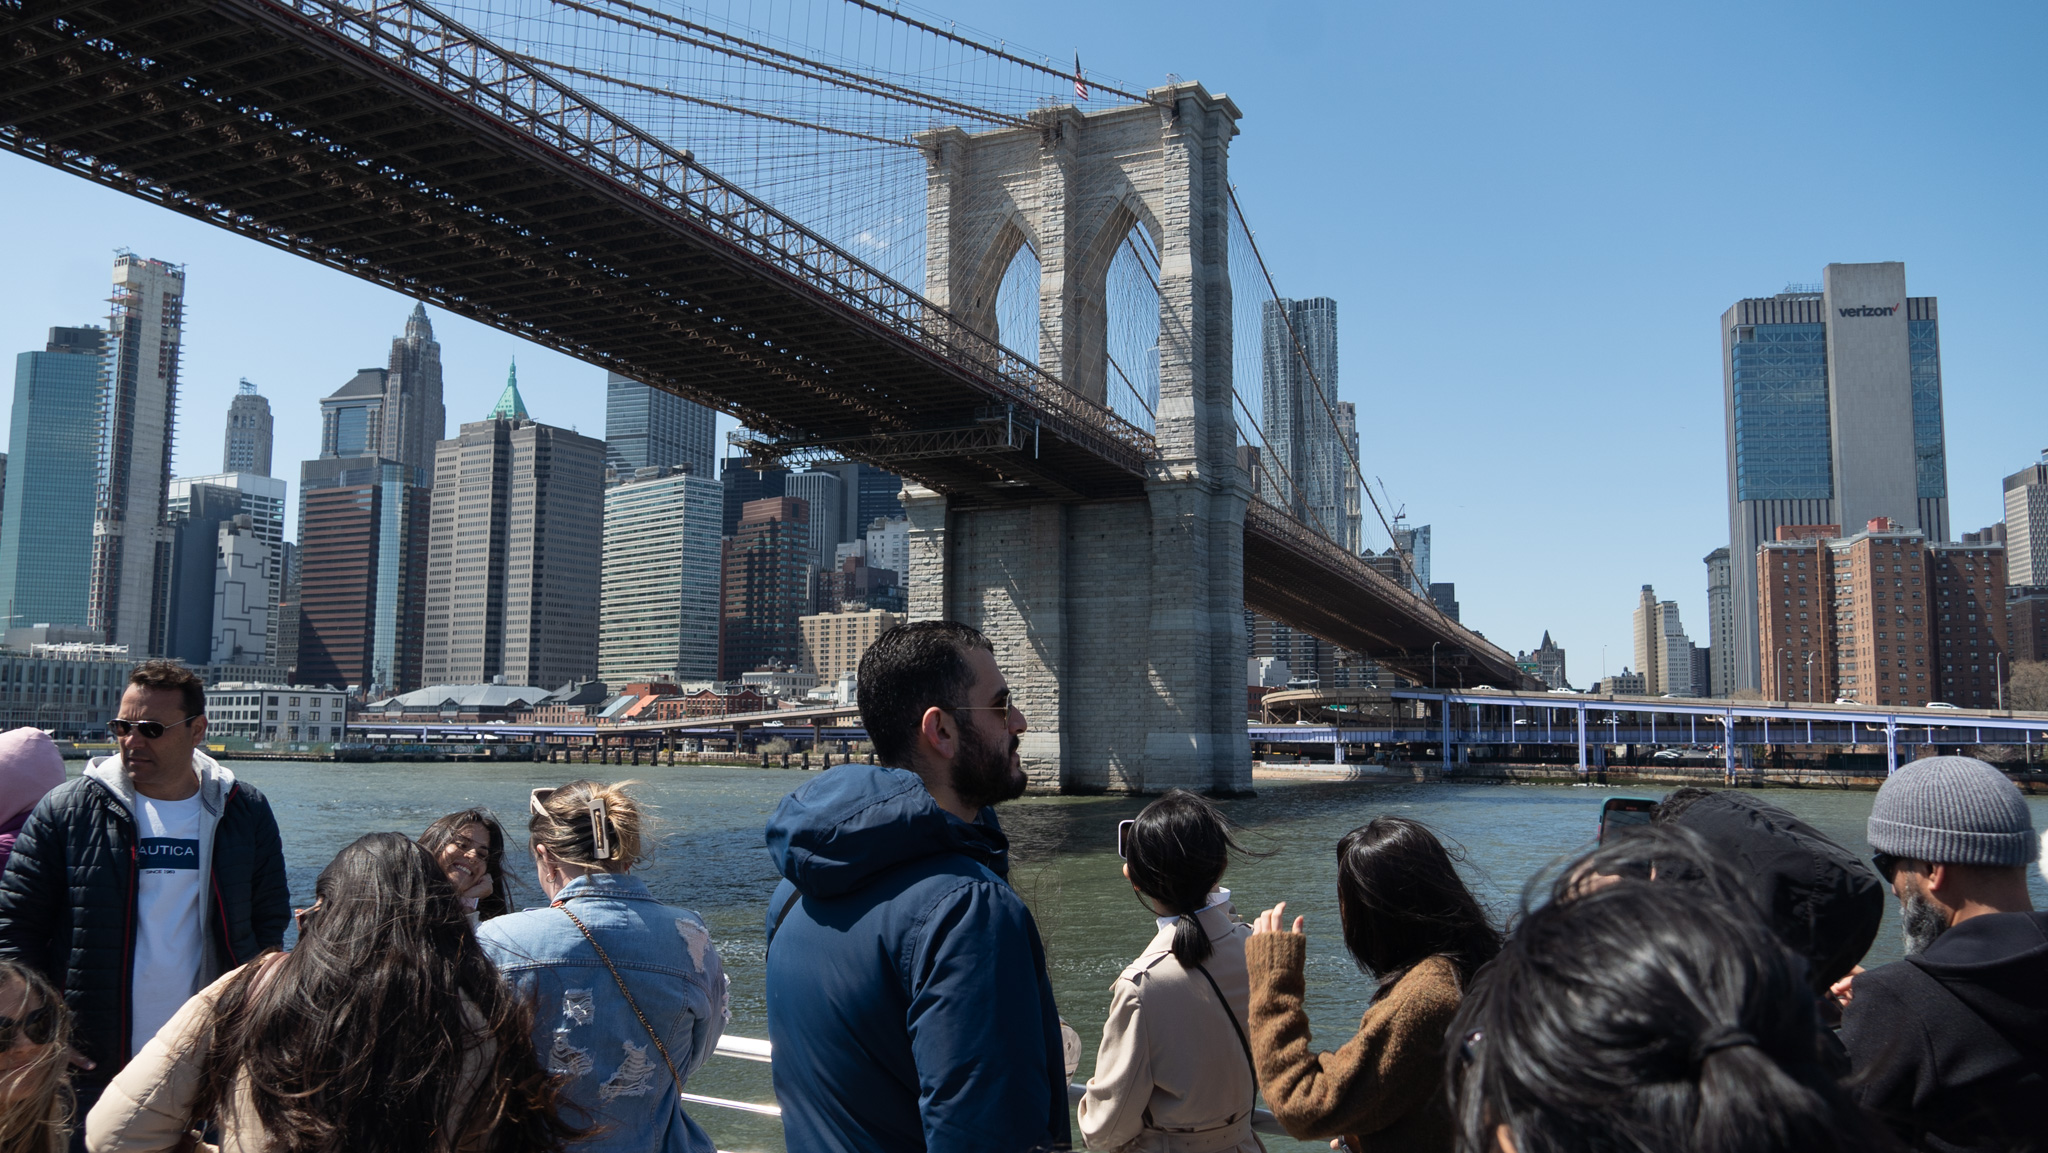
1950	1045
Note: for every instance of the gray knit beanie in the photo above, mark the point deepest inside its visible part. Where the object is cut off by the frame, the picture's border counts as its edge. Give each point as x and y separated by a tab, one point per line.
1953	811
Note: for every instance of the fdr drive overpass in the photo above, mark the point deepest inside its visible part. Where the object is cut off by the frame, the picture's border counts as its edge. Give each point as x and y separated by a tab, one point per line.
1711	730
1110	564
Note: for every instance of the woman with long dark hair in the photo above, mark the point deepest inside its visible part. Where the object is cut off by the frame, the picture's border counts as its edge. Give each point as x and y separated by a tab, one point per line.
1174	1069
35	1084
1409	922
1636	1016
386	1030
631	994
470	847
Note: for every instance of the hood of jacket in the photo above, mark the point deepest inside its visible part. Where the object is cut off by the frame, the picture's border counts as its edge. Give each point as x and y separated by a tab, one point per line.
215	781
1823	901
854	822
1997	964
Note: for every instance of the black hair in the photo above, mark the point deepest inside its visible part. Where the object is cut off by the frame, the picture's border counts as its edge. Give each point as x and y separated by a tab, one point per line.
1402	901
170	676
1667	854
1177	851
1624	1020
908	669
443	831
1676	802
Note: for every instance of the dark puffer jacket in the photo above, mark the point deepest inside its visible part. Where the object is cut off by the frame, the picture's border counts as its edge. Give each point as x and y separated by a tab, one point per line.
67	897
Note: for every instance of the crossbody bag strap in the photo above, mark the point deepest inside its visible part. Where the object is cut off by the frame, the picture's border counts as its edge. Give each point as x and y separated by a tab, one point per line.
1235	1028
628	993
794	896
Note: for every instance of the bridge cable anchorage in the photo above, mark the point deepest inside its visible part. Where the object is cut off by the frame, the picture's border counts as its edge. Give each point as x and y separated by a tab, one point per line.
761	54
1407	562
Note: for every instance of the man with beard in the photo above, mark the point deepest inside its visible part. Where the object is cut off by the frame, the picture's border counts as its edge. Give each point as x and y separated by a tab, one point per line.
1950	1045
907	995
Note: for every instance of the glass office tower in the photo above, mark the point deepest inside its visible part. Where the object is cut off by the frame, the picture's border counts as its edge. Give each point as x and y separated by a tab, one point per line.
647	428
1832	397
46	529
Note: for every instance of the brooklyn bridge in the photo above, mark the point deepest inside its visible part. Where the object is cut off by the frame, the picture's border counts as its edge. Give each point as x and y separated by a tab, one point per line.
1107	523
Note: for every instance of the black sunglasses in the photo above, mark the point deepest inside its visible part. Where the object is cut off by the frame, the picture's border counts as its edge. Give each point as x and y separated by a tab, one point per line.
38	1027
150	730
1887	865
1123	838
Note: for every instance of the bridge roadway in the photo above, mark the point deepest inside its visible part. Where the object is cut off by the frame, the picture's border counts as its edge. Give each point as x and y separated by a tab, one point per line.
400	147
1496	717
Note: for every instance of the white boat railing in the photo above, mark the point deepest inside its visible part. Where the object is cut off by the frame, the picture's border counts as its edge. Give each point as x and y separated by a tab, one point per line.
756	1049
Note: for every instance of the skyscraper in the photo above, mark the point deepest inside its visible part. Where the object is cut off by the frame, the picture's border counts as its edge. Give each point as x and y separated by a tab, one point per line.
658	607
261	498
511	590
131	564
1663	651
195	559
2026	524
646	427
352	417
765	586
242	607
1720	624
247	448
415	420
395	412
1298	351
824	498
361	582
1832	396
46	543
744	484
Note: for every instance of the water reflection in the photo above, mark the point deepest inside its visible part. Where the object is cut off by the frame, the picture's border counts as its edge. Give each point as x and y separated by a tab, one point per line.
708	856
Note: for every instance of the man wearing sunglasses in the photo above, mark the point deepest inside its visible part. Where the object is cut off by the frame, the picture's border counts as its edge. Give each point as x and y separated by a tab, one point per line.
1950	1045
138	883
907	994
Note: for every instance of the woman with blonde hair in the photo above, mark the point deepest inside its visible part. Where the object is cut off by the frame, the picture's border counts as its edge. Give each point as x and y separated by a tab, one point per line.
629	994
35	1085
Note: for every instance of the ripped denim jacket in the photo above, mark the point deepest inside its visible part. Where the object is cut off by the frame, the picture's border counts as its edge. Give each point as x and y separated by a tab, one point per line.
583	1027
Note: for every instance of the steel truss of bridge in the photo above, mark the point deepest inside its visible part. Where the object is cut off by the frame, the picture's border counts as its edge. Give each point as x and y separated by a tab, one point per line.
1587	720
393	144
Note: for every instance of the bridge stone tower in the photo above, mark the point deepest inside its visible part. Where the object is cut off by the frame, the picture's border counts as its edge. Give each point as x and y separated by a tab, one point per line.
1120	624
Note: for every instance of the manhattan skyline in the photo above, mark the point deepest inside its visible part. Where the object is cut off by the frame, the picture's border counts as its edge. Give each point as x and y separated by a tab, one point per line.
1530	218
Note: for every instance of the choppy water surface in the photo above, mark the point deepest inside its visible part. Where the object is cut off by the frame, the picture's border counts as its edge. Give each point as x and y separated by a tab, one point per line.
708	856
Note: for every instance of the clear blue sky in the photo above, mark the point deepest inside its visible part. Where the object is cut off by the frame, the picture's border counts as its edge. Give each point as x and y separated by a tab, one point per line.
1532	217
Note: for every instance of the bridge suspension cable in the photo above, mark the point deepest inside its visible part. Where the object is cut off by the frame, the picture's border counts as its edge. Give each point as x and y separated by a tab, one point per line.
1301	352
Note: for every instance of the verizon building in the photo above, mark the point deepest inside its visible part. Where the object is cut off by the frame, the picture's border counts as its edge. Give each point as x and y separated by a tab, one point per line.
1833	406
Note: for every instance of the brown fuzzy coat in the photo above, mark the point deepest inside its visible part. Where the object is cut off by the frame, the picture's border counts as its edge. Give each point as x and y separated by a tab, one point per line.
1383	1091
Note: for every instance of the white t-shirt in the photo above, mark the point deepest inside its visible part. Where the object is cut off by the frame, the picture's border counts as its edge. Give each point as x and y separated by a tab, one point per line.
170	933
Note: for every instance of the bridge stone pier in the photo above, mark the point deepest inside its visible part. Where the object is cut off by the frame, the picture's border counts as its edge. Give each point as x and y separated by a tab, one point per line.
1120	624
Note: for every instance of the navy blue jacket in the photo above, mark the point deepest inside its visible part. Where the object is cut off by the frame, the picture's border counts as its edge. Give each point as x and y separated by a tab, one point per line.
907	996
67	897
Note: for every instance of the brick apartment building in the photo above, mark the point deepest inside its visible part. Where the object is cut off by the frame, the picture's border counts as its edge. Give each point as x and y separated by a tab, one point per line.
1884	617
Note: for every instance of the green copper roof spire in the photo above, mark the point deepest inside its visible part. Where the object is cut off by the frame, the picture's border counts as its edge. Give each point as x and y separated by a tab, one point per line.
510	405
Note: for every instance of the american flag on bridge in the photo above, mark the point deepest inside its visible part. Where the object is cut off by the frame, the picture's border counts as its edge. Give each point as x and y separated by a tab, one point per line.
1080	85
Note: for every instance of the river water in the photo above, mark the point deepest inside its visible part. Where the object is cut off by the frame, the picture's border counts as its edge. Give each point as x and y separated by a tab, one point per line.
708	856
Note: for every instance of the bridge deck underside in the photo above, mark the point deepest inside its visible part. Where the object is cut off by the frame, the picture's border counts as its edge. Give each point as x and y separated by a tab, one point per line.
252	117
1308	583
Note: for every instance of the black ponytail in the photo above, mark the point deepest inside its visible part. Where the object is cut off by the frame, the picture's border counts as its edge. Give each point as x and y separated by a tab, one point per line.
1177	851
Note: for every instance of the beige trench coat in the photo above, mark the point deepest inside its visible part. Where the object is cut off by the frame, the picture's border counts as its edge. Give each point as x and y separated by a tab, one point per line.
1171	1075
